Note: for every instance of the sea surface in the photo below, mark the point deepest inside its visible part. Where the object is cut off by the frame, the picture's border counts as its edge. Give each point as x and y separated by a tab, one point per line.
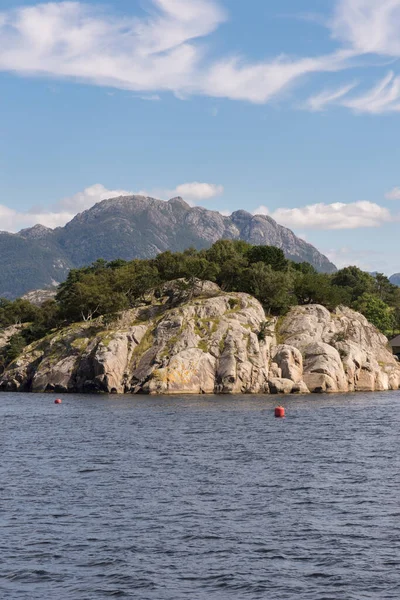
200	498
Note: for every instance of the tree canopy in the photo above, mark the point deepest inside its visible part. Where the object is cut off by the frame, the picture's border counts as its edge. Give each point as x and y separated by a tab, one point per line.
105	288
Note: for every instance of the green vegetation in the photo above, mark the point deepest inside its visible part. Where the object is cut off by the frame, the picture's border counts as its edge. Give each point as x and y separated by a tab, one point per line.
104	288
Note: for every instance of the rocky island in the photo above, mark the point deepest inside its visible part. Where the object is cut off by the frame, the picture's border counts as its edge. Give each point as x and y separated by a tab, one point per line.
203	340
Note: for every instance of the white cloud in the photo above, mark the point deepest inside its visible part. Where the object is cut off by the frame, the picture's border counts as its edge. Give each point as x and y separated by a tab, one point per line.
394	194
368	26
326	97
195	191
192	192
261	210
88	197
166	50
382	98
13	220
367	260
60	213
63	211
159	52
331	216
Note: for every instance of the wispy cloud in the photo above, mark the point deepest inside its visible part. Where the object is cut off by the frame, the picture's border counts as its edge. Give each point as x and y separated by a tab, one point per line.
159	52
382	98
394	194
321	100
151	97
368	26
331	216
166	50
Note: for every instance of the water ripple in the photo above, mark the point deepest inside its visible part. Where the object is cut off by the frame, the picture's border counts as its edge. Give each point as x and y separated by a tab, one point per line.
200	498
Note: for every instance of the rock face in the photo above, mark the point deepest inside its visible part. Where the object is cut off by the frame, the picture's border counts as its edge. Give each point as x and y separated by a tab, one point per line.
341	351
207	341
134	227
39	297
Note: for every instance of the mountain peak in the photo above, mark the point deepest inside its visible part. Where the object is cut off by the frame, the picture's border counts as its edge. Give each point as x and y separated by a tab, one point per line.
36	232
131	227
178	201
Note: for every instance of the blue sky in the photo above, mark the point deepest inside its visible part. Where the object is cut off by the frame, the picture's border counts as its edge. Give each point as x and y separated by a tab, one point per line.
285	107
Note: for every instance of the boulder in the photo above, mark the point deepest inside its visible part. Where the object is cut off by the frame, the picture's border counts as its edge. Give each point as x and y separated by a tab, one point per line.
280	385
319	383
323	359
290	362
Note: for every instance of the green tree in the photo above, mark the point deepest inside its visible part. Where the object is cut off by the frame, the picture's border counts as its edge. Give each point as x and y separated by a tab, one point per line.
226	250
272	288
317	288
135	279
14	348
355	281
304	268
269	255
18	311
376	311
90	295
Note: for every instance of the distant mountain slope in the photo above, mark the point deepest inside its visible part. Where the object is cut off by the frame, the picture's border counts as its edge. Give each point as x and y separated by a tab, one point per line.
395	279
134	227
29	263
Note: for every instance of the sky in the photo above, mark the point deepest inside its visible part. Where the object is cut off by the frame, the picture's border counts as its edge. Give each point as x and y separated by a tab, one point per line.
289	108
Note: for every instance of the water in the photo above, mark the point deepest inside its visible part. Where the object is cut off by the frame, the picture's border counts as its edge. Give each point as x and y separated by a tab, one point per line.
200	498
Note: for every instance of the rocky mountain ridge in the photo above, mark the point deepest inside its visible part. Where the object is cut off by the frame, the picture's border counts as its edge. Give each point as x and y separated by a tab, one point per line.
206	341
134	227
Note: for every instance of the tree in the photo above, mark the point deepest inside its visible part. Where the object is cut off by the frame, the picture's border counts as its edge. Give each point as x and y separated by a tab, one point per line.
14	348
93	294
135	279
355	281
304	268
225	250
269	255
317	288
272	288
17	312
169	265
197	267
376	311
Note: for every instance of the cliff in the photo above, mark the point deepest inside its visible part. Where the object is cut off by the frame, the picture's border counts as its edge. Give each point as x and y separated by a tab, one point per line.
208	341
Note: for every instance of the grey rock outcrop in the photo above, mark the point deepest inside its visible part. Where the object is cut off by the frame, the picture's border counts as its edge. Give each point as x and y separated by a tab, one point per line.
341	351
205	341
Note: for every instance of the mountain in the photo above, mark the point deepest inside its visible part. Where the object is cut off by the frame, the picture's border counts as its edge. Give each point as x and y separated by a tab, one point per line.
395	279
134	227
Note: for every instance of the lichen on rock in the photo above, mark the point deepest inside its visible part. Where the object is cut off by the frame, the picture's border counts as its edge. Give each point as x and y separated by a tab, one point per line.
200	340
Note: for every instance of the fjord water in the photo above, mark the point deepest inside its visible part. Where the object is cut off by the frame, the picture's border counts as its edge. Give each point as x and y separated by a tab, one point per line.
171	498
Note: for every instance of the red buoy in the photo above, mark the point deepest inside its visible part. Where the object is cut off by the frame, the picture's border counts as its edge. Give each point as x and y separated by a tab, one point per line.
58	401
279	412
